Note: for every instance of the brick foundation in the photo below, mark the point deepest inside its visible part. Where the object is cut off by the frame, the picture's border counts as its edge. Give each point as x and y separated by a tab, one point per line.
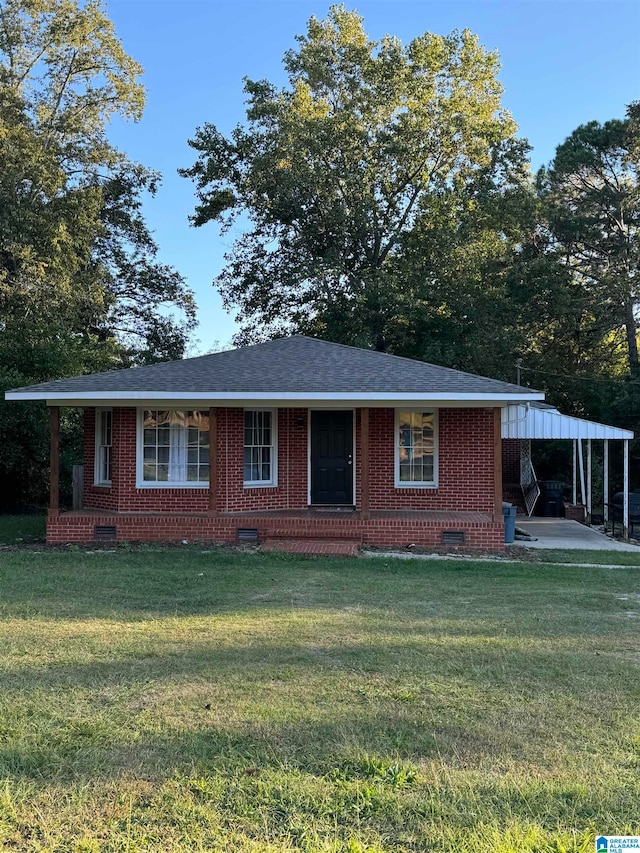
382	529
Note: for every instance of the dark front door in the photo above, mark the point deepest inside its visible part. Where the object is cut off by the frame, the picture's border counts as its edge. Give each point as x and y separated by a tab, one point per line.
332	457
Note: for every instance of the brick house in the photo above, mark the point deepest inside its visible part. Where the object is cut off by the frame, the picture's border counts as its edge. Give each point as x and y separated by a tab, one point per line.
293	438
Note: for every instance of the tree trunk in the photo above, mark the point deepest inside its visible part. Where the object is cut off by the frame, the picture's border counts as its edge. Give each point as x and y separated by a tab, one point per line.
632	343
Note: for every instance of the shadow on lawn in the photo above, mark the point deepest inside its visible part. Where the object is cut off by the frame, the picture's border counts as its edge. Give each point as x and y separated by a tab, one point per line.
307	706
271	762
462	669
458	652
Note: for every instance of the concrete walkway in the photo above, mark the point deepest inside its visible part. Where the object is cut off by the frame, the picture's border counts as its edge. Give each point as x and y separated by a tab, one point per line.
562	533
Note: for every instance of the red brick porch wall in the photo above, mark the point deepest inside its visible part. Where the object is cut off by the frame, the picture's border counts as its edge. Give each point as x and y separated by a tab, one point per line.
124	496
99	497
465	480
466	463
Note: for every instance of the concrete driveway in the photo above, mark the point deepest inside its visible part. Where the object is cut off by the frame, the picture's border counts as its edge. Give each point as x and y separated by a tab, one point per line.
562	533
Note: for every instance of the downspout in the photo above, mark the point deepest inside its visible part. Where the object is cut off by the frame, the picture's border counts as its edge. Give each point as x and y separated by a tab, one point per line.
527	407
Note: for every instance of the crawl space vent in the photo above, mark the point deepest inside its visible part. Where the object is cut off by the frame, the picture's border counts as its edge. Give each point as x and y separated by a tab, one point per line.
104	531
247	535
453	537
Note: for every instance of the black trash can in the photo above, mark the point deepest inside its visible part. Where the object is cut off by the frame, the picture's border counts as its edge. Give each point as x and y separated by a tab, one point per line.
551	498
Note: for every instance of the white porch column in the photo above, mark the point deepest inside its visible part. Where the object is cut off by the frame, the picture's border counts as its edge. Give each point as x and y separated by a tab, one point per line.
589	489
575	472
625	499
605	486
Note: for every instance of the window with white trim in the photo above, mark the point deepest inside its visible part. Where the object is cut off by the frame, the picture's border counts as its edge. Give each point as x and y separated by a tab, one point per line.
260	447
416	448
104	438
174	448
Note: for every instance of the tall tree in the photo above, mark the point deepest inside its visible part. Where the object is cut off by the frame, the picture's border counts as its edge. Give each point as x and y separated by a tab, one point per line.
465	271
337	170
591	196
76	258
81	286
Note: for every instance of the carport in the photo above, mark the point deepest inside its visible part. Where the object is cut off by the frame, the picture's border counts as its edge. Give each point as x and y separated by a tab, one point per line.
568	535
527	421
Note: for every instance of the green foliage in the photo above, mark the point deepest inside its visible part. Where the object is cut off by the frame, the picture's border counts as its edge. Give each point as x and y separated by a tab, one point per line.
591	201
391	206
339	172
24	449
81	287
76	258
21	529
24	443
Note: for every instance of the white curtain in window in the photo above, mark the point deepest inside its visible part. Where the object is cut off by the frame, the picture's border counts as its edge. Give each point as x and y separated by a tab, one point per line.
178	441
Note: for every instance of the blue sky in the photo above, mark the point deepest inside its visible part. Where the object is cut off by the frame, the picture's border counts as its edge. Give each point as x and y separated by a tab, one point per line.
563	63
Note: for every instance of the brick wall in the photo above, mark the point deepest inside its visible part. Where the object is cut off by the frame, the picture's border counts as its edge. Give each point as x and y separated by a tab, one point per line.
466	463
124	496
466	467
100	497
511	460
396	531
291	491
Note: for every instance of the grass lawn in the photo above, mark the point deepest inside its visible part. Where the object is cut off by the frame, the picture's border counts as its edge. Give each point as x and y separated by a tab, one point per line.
613	558
174	700
21	528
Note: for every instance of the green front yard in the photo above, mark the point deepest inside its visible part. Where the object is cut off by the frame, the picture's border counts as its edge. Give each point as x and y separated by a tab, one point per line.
21	528
167	699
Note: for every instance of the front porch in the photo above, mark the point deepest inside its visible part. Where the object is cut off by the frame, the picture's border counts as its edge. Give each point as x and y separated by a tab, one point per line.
459	504
428	528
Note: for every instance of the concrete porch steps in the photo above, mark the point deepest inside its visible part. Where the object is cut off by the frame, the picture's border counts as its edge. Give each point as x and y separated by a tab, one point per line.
328	547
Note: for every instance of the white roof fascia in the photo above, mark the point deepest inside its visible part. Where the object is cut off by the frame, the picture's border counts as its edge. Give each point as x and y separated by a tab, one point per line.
80	398
524	422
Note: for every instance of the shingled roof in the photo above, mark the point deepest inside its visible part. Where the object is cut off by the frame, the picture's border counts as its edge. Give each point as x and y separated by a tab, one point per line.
280	368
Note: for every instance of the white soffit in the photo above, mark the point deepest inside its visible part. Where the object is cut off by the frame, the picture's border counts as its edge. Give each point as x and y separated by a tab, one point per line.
521	421
273	398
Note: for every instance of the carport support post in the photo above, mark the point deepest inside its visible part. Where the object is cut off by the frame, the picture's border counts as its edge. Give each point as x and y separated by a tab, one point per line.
583	491
605	488
625	498
575	472
54	463
589	485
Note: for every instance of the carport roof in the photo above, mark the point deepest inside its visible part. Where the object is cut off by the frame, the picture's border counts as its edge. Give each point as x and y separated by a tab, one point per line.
539	420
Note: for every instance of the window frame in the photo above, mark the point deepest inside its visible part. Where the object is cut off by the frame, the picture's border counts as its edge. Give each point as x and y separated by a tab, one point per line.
273	482
141	483
412	484
97	429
